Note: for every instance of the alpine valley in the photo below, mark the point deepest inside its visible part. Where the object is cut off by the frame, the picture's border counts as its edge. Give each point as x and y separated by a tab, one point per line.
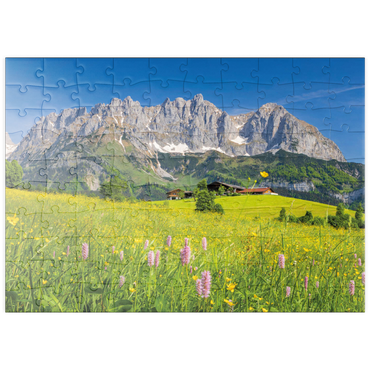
175	144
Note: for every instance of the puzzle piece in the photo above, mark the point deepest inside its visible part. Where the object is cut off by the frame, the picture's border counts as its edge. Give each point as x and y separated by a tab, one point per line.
167	70
59	69
33	98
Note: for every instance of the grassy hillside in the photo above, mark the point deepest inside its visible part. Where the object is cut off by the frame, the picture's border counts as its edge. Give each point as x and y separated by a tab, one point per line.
261	205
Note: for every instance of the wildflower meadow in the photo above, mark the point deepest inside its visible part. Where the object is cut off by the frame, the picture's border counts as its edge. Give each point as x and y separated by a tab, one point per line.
91	255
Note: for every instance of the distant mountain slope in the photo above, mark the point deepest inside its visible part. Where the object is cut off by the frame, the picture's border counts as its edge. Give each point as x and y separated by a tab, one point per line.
10	146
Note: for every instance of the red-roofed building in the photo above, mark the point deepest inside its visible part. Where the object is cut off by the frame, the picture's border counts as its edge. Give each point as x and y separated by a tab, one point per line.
257	191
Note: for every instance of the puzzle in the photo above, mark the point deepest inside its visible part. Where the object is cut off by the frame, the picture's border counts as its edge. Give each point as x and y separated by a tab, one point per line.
185	185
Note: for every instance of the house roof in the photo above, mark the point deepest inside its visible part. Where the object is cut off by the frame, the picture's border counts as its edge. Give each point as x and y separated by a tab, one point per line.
228	185
171	191
255	190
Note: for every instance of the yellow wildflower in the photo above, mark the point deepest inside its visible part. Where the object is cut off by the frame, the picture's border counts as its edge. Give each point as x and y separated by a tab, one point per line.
44	281
231	287
264	309
212	302
13	220
251	309
132	290
264	174
228	279
195	277
229	302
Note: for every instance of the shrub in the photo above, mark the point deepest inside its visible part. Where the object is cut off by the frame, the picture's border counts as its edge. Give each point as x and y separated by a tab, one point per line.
282	215
292	218
219	209
307	218
359	215
354	223
339	221
318	221
334	221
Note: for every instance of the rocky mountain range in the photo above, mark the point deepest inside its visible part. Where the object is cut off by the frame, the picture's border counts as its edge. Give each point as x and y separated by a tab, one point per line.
181	126
125	132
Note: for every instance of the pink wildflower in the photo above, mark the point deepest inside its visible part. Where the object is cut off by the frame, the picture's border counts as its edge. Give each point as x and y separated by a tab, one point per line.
281	261
195	268
67	251
204	243
287	291
157	259
313	262
199	287
169	239
355	255
206	283
352	287
146	244
121	281
85	251
363	278
317	284
121	255
113	248
191	269
306	282
186	242
185	255
150	258
359	262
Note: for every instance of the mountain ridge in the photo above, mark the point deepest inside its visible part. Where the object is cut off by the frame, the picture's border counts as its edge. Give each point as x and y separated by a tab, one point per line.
192	126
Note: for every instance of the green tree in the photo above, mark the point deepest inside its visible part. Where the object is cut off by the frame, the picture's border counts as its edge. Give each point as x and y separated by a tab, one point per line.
359	216
340	210
181	194
114	187
221	190
205	201
202	184
13	173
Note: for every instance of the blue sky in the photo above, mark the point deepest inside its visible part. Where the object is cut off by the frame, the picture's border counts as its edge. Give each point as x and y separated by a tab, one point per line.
327	93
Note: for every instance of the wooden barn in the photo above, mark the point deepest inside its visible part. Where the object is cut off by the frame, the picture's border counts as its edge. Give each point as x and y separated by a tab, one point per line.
174	194
258	191
214	186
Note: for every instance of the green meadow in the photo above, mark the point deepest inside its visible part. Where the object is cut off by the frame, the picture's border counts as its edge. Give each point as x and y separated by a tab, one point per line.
81	254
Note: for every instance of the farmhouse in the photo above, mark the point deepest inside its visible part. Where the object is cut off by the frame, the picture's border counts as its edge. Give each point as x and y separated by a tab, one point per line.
214	186
257	191
174	194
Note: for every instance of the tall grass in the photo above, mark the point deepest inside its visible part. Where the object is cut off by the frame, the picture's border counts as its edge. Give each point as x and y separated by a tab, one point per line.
242	256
